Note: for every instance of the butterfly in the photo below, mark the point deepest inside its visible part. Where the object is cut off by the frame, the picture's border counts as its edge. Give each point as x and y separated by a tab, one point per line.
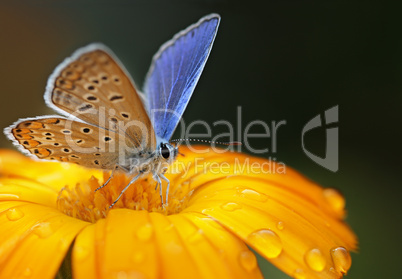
108	124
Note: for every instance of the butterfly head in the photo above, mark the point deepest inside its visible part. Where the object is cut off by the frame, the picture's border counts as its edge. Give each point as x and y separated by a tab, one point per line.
167	152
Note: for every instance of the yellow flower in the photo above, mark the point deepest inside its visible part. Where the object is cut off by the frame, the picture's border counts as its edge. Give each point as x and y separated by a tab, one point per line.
217	206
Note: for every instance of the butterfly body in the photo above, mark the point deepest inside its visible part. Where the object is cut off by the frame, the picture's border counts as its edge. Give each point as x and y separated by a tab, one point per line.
154	162
106	124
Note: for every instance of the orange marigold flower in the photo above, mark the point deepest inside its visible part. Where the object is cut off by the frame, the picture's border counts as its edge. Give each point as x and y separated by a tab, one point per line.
216	207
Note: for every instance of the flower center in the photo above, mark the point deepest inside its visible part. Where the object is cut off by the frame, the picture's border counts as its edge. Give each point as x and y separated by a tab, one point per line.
82	202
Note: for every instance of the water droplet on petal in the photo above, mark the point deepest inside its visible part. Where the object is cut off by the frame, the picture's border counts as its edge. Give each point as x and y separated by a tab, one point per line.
253	195
122	275
213	223
173	248
209	195
341	258
43	230
222	254
196	237
207	210
27	272
335	199
14	214
315	259
81	252
63	244
138	257
280	225
9	197
230	206
169	227
299	274
145	232
266	241
109	228
248	260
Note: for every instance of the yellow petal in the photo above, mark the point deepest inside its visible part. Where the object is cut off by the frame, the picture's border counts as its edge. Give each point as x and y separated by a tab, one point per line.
284	217
288	219
111	248
211	245
54	174
34	239
22	189
138	244
199	169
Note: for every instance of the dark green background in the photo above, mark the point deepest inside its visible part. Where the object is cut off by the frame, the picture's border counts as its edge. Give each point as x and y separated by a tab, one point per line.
284	60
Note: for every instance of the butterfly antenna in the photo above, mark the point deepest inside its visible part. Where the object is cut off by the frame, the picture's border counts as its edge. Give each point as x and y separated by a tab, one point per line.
209	141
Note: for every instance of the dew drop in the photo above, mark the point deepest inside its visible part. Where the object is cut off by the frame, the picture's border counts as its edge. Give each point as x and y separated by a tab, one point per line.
230	206
109	228
211	195
14	214
341	258
81	252
27	272
173	248
138	257
267	241
169	227
145	232
248	260
9	196
63	244
315	259
335	199
213	223
299	274
196	237
43	230
122	275
207	211
253	195
280	225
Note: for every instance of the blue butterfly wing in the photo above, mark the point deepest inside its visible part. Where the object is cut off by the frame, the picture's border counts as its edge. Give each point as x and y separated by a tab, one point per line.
174	73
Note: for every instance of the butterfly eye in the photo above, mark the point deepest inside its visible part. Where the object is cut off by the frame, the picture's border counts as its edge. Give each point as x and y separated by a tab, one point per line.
165	152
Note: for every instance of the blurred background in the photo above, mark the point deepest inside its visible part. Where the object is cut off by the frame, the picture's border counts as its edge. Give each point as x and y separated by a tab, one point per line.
284	60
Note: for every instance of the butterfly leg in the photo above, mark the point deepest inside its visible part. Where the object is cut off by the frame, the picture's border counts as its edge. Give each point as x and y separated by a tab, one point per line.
125	188
168	185
107	181
158	180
